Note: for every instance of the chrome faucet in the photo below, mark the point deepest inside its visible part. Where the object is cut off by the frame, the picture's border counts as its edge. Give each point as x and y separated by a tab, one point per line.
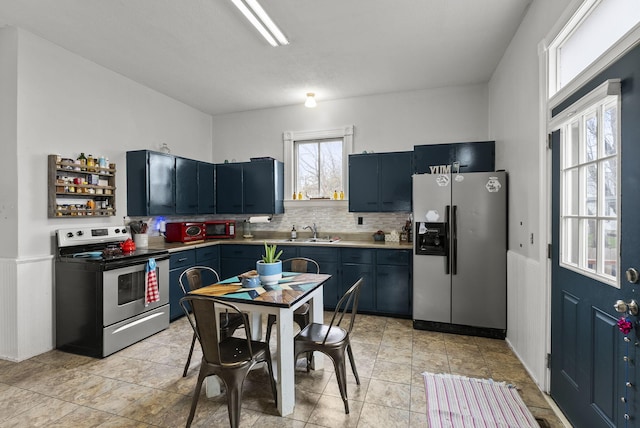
314	229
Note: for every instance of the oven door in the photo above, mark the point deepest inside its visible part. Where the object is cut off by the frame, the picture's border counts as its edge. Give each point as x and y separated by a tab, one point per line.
123	291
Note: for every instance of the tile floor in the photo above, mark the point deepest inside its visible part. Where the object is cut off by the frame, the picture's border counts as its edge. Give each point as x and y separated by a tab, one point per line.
142	386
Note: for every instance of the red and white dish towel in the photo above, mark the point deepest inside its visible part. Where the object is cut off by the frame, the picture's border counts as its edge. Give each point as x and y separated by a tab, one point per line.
151	292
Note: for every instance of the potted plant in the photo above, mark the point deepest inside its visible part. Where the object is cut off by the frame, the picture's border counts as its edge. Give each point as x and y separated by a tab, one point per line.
270	267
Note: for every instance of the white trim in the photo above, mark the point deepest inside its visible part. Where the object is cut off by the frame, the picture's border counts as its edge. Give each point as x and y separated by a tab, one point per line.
577	13
544	208
27	260
290	137
624	45
590	105
315	203
607	88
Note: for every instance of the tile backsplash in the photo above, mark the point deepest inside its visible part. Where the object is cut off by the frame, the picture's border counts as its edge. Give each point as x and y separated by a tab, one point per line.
329	221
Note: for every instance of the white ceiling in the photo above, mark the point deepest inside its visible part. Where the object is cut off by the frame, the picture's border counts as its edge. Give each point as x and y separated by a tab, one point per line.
204	52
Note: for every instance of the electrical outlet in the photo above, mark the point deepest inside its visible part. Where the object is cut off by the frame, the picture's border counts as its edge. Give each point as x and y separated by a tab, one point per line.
359	220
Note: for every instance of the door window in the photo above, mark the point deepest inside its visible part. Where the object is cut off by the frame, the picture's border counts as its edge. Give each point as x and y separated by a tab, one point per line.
589	180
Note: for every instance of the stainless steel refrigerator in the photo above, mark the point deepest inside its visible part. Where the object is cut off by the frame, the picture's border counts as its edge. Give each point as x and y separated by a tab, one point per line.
459	261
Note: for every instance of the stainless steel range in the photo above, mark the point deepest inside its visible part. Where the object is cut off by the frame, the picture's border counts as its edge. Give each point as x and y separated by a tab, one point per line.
100	291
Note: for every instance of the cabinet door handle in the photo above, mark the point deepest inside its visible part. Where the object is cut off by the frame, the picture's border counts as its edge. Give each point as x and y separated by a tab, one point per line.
182	259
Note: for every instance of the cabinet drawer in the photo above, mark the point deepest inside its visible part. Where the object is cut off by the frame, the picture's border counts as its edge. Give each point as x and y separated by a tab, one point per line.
242	251
393	257
352	255
207	253
320	255
182	259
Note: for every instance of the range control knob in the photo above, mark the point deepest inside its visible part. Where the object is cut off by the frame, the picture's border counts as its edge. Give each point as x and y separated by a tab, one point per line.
117	231
80	233
69	235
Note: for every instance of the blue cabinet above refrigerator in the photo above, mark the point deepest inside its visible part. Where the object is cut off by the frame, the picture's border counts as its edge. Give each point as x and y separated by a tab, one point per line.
472	156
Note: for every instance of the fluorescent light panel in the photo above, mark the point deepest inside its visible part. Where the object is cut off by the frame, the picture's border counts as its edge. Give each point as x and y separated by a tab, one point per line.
261	21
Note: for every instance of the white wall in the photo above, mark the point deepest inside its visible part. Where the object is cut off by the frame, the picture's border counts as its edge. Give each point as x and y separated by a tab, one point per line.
68	105
8	138
383	123
514	124
64	104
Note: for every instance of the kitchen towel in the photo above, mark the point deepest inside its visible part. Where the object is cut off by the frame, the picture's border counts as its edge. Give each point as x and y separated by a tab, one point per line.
151	292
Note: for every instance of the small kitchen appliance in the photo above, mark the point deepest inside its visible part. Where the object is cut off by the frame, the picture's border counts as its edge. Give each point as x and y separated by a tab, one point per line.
220	229
185	232
100	290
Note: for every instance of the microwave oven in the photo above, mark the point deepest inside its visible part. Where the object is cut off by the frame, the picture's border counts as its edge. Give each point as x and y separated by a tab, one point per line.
220	229
184	232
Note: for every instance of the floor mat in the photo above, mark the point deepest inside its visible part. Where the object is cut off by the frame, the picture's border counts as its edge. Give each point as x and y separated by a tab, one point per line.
458	401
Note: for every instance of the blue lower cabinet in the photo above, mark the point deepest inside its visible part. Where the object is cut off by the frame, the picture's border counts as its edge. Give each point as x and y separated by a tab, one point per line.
350	274
237	259
358	263
208	257
178	263
394	291
393	282
327	258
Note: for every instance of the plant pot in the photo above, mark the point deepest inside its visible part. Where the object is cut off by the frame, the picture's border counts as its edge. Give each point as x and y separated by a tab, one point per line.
269	273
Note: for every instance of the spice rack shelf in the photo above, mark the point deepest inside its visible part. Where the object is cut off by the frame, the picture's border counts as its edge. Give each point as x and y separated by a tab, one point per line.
80	190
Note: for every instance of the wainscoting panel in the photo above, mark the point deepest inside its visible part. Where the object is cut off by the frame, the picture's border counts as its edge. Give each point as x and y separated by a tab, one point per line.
26	307
526	313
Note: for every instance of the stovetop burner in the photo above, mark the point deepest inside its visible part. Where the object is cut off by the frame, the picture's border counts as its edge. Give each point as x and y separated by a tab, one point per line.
100	246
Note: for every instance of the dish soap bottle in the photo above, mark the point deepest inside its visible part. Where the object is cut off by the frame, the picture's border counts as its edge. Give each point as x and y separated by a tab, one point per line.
294	233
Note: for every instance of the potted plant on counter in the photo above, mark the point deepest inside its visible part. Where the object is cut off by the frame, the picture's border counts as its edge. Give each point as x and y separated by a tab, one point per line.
270	267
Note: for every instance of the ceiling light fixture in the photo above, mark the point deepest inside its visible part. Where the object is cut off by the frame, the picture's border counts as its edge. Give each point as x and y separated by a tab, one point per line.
311	100
261	21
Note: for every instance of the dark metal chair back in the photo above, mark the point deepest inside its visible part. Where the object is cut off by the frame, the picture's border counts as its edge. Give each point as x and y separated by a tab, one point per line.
205	324
193	278
300	264
347	307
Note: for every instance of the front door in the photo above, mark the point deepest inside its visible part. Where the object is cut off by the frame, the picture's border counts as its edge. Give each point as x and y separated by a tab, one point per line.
593	363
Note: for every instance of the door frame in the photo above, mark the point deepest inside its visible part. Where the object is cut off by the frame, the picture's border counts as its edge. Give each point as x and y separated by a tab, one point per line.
547	104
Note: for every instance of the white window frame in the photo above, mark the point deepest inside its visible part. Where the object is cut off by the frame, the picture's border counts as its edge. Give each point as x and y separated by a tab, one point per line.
588	106
289	139
573	16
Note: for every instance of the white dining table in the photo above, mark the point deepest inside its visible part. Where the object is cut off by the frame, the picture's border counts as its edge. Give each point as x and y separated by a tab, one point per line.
282	300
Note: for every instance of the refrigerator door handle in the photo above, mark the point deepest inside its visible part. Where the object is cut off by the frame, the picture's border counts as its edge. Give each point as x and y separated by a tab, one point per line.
454	240
447	238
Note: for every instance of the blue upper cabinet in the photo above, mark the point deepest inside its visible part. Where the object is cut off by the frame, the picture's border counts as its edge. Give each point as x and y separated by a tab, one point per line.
380	182
186	186
162	184
250	187
263	187
395	170
472	157
229	188
363	183
150	183
206	188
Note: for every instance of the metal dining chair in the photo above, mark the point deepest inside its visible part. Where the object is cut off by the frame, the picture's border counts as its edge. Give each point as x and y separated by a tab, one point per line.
230	358
300	315
229	322
333	340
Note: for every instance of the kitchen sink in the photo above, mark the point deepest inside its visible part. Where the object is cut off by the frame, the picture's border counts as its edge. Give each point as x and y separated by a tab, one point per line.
308	240
322	240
